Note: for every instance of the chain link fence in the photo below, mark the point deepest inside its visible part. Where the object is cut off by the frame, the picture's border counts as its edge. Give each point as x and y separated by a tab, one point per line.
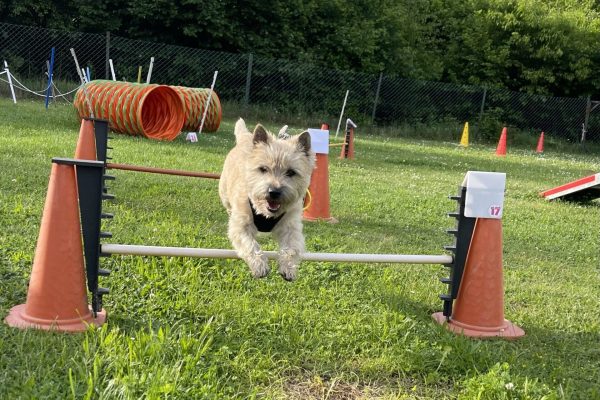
291	91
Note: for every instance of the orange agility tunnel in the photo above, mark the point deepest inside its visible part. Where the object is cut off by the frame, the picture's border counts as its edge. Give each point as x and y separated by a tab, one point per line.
195	100
155	111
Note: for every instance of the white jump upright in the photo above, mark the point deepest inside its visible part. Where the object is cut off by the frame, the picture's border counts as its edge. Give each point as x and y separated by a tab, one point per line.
83	82
112	69
342	114
12	89
208	100
149	76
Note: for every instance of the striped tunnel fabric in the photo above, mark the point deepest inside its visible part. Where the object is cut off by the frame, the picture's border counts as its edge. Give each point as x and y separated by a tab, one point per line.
155	111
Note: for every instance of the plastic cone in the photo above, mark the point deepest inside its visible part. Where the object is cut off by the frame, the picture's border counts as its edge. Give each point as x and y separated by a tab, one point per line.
57	296
317	208
540	144
464	139
348	147
86	142
501	148
479	307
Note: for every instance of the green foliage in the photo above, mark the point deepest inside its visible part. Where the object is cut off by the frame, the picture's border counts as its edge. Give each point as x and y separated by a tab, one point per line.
491	125
199	328
370	36
535	46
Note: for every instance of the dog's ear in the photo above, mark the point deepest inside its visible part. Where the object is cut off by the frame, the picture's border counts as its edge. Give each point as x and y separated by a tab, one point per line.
260	135
304	142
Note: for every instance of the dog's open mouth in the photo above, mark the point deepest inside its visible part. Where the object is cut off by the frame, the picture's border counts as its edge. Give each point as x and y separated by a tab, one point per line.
273	205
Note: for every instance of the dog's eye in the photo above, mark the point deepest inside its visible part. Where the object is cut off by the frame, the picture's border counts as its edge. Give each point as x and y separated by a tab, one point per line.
290	173
263	169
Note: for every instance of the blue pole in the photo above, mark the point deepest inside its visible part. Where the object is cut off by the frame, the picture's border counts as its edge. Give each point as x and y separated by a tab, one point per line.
88	73
49	90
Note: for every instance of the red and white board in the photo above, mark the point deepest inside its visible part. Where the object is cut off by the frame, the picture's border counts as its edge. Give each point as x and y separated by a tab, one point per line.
587	188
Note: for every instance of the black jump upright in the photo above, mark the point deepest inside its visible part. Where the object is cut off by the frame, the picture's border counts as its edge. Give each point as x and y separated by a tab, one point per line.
462	234
91	184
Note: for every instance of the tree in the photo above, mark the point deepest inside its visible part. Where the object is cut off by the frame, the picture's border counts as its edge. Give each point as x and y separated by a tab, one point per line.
535	46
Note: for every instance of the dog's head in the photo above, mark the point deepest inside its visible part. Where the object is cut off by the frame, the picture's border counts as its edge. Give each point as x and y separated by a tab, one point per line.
278	171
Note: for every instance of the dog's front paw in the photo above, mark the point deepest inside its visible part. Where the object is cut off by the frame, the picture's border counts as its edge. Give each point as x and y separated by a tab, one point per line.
288	264
259	265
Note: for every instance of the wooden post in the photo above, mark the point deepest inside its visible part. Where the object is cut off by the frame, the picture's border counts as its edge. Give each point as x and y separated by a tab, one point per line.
106	66
248	80
588	109
481	111
376	98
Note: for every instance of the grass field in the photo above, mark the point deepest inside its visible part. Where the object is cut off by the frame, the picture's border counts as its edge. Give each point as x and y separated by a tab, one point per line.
203	328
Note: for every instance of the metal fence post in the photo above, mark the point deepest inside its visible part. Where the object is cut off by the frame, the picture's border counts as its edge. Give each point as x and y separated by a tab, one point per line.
107	71
588	109
481	111
248	80
376	98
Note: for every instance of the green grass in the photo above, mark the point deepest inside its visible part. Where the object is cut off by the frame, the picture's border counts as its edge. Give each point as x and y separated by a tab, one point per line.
203	328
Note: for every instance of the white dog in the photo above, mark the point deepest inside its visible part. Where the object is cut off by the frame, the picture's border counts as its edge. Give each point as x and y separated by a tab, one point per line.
262	186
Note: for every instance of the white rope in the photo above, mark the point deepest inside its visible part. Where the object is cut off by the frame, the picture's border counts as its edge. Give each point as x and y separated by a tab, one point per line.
63	95
22	87
27	89
69	92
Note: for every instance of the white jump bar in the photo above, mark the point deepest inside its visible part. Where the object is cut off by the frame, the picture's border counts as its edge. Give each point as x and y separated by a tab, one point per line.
126	249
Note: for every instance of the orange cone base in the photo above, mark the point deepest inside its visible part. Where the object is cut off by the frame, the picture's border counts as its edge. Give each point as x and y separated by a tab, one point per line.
17	318
331	220
508	330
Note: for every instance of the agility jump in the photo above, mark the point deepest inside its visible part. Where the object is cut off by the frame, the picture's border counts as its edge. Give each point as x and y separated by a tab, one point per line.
68	253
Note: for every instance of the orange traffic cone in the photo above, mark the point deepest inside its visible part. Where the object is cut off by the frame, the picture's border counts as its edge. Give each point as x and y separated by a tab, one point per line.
479	307
348	146
540	144
86	142
317	207
501	149
57	296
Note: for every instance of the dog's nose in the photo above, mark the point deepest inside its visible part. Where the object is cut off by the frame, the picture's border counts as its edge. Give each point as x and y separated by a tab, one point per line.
274	193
